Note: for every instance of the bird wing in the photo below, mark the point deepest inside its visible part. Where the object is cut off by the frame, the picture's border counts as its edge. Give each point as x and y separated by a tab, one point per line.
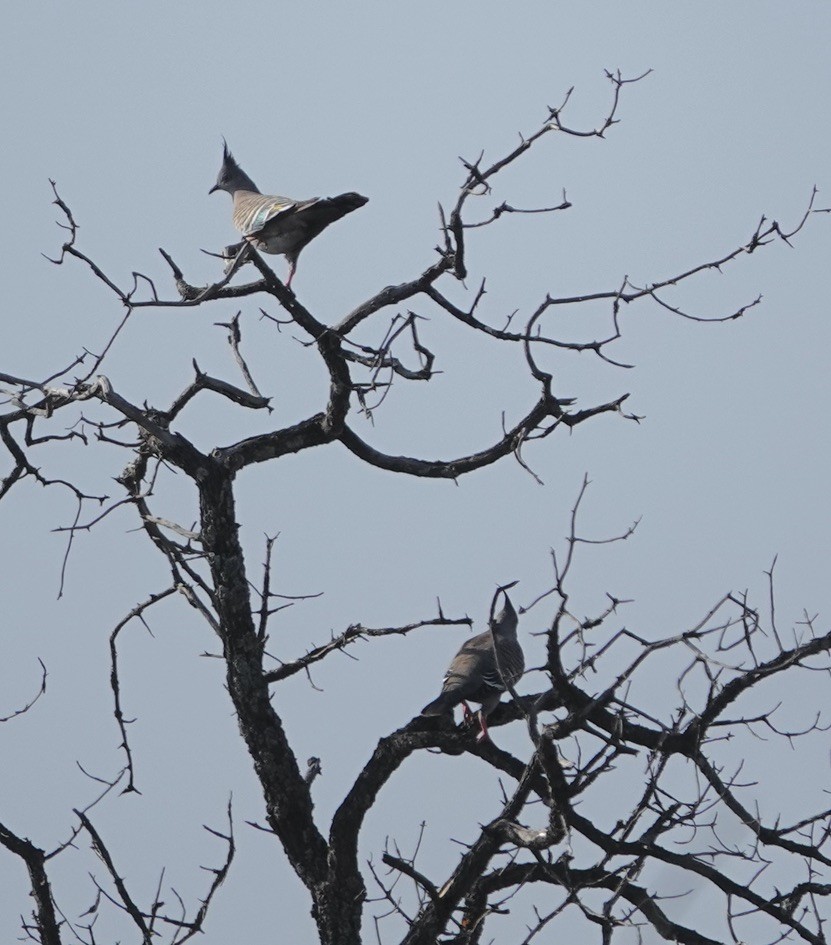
471	667
253	213
299	224
464	677
279	225
473	674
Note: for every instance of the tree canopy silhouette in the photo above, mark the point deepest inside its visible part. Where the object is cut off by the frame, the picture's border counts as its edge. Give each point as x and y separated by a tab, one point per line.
575	832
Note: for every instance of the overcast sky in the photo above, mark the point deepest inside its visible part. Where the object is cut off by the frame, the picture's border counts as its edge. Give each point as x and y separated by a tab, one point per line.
125	105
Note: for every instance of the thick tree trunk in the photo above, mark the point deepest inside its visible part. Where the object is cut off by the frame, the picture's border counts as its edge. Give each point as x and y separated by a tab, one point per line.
337	899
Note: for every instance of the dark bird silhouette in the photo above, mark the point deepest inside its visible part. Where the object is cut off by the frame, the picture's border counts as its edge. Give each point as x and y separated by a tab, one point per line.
474	675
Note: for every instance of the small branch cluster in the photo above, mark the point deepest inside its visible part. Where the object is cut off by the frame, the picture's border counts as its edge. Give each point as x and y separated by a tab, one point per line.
595	842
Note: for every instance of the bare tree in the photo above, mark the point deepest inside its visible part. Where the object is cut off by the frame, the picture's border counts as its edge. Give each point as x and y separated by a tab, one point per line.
607	867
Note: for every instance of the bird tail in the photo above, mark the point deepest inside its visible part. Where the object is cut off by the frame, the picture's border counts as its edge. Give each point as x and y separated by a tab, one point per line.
442	705
319	213
342	204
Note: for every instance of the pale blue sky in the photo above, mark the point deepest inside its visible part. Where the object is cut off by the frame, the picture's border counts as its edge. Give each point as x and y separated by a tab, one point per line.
125	106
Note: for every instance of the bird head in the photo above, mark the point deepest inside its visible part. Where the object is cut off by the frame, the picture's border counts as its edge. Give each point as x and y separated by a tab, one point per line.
505	622
231	176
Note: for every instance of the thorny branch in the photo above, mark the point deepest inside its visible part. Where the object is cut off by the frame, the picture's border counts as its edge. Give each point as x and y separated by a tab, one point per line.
147	920
22	710
350	635
136	612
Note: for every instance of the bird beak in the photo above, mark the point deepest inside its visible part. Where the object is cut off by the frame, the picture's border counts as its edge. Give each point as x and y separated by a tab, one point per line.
215	187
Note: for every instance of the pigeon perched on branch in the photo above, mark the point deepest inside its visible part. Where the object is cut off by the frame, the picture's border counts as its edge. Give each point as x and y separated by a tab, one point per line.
277	225
482	667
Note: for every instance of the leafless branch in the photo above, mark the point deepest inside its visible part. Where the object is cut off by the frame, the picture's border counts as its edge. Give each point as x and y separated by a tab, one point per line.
137	611
350	635
45	920
25	708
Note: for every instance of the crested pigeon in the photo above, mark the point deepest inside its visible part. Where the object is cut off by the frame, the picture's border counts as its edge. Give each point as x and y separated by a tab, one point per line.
473	673
274	224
